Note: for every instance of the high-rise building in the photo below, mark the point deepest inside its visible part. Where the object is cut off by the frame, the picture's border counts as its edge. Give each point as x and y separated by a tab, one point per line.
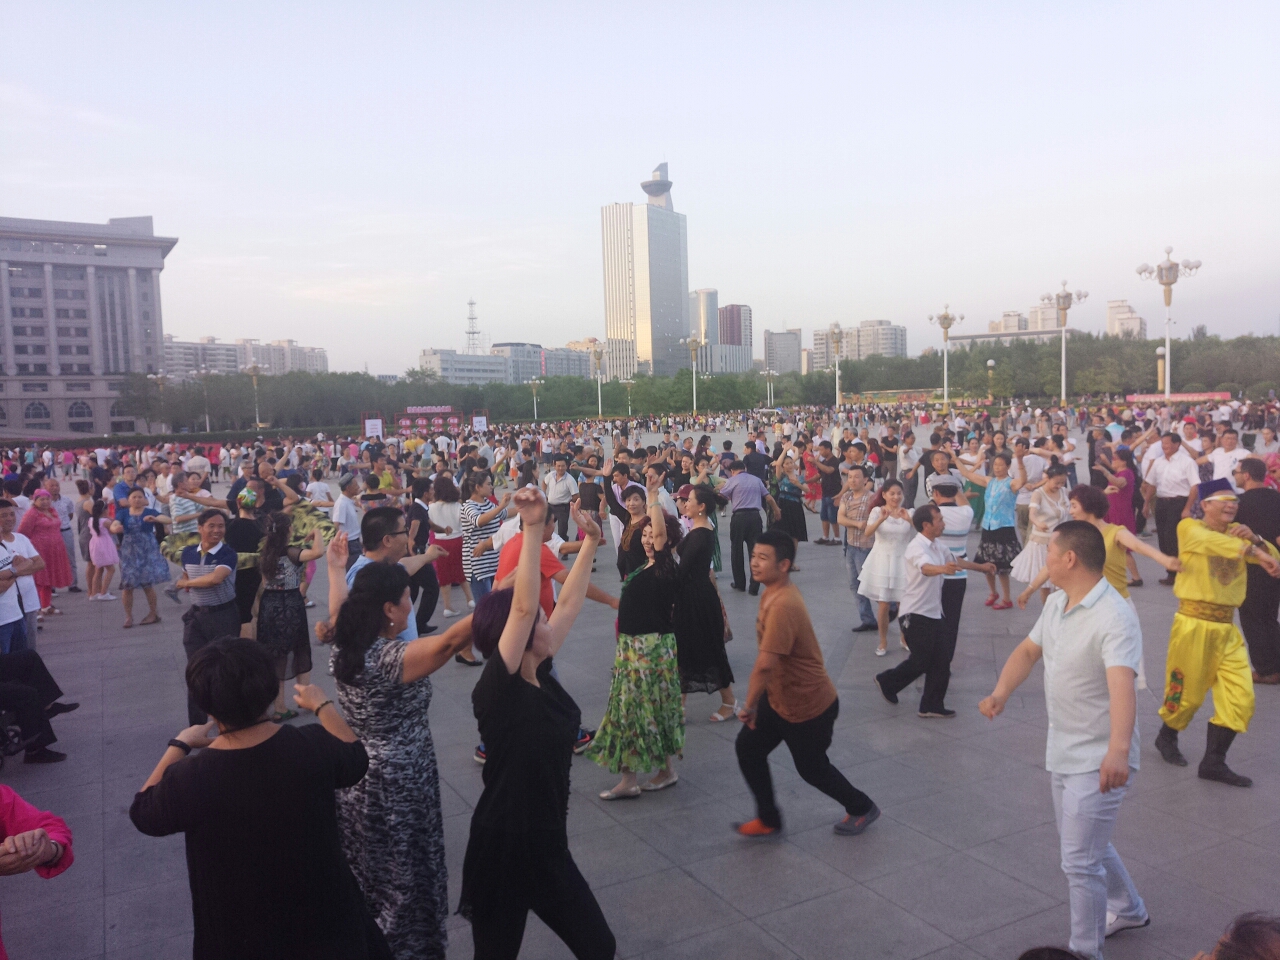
80	307
1042	317
806	361
1011	321
735	325
646	283
532	360
1123	322
881	338
206	355
281	356
704	323
782	351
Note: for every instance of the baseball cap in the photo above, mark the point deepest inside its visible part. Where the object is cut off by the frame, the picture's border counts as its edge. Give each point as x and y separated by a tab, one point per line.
685	492
941	480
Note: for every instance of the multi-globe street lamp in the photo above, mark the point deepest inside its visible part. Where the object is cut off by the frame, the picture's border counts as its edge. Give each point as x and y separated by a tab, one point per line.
202	376
1166	273
946	320
534	385
768	381
694	344
1063	300
628	384
254	371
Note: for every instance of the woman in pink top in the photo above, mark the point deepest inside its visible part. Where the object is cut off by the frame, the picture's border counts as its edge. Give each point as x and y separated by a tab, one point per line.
33	840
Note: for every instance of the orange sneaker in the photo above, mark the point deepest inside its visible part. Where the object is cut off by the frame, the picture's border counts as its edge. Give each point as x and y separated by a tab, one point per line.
755	828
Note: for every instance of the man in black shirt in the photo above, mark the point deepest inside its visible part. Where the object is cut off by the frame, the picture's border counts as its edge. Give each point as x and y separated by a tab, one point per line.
829	473
889	453
756	462
1260	512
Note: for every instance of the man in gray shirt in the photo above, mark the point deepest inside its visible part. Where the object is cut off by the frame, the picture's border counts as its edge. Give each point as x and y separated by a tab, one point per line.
1091	643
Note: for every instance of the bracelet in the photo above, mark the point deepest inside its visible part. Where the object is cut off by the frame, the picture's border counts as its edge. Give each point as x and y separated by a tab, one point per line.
322	706
184	747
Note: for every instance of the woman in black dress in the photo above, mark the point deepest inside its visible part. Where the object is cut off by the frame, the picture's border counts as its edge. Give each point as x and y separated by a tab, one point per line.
629	511
282	611
518	856
244	536
260	798
698	617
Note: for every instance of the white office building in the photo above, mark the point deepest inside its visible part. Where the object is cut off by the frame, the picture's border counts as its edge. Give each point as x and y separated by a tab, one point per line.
466	368
80	308
782	350
880	338
1123	322
206	355
281	356
529	361
1011	321
646	283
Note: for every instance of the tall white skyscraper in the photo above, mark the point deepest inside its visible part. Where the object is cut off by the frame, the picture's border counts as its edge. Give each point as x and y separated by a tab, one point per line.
646	283
704	323
881	338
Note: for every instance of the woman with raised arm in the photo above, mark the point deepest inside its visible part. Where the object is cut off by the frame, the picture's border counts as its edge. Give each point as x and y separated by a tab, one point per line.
391	822
999	522
518	854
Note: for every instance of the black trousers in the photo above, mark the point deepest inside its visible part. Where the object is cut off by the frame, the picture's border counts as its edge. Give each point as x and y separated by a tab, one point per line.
808	743
930	655
1258	621
1168	513
26	688
561	512
200	627
562	900
745	527
426	582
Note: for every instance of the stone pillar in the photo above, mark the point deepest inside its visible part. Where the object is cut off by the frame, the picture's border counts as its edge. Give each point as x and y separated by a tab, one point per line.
157	324
97	348
133	329
6	317
51	315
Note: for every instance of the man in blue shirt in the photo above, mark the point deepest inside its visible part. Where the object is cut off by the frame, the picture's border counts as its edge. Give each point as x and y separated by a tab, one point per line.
746	494
209	573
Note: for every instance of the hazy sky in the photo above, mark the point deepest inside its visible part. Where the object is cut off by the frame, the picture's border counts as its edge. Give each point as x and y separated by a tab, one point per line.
349	175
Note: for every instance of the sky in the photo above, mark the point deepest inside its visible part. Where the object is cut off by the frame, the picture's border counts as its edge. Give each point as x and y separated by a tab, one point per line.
349	176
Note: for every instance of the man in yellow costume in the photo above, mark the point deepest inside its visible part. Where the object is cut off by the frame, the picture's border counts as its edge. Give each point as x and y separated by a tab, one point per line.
1206	651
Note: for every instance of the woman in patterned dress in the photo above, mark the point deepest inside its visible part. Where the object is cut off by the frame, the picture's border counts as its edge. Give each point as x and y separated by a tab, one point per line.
282	611
643	725
392	827
999	522
141	564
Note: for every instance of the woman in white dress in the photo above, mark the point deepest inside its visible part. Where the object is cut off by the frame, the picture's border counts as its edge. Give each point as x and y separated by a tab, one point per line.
1049	507
884	575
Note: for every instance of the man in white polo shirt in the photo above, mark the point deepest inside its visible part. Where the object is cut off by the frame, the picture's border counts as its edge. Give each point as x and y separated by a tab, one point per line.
1091	644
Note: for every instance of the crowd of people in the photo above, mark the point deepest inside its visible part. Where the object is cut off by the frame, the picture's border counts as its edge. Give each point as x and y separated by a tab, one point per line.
513	517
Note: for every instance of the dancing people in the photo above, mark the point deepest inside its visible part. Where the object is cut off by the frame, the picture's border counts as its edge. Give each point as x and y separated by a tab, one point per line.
998	523
884	572
790	699
1049	507
141	564
518	856
1206	651
1091	644
1260	511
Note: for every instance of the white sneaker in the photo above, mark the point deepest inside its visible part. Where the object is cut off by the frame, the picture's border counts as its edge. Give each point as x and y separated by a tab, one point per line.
107	596
449	613
471	604
1116	923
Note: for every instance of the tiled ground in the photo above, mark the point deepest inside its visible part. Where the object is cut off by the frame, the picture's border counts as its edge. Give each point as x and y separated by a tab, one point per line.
963	864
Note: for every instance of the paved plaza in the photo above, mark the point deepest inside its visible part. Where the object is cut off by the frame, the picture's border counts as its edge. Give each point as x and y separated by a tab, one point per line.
963	863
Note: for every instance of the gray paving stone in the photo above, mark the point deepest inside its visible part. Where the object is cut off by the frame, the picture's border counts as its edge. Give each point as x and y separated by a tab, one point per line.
672	878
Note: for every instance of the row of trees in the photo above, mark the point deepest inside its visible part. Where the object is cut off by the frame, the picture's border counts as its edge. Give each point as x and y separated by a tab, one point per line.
1095	365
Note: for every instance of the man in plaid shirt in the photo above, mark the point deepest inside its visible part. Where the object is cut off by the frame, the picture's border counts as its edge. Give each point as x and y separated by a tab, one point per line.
855	504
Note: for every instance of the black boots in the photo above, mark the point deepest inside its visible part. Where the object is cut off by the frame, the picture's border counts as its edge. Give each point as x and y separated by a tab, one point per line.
1167	744
1214	765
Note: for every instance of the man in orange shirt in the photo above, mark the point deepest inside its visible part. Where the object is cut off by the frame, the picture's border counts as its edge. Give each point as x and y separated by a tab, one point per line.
551	569
790	699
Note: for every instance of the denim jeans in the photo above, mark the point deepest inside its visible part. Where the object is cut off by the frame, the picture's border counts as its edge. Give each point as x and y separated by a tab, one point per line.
854	558
1096	875
481	589
13	635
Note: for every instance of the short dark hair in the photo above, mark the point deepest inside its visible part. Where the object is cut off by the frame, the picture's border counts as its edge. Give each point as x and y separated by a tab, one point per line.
1251	936
207	515
784	548
1092	500
490	619
1255	468
925	513
378	523
1048	953
234	680
736	466
1085	541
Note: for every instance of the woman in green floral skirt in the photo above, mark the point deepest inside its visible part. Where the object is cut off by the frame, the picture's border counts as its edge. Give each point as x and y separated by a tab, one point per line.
643	725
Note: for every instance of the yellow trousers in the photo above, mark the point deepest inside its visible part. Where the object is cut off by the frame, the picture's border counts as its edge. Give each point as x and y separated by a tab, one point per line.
1206	656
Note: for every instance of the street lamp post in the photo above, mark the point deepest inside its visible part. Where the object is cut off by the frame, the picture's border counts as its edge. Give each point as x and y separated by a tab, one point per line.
768	379
533	385
1161	352
597	352
628	384
257	417
1166	273
201	376
946	320
834	335
991	381
159	379
694	344
1063	300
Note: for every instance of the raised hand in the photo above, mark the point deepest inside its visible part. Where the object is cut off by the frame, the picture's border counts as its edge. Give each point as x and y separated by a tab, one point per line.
532	506
338	551
584	522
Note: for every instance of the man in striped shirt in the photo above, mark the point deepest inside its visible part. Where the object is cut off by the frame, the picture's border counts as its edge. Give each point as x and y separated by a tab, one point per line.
209	573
